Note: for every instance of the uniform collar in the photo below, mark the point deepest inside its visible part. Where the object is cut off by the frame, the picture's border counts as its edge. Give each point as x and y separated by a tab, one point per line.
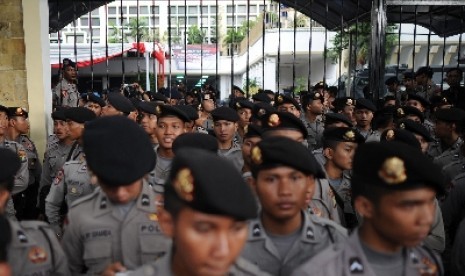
19	237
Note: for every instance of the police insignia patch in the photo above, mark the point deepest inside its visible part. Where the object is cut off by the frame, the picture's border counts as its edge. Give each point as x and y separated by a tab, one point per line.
58	177
390	135
256	155
153	217
393	171
400	112
402	126
349	102
22	155
158	110
317	96
429	267
256	230
310	234
238	105
274	120
37	255
145	200
184	184
280	99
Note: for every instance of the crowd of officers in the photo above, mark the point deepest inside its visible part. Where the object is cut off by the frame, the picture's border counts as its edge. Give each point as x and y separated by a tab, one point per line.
140	183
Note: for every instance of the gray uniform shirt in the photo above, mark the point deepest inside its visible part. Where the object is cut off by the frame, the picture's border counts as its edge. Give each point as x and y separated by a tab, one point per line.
162	267
349	258
34	250
234	154
315	235
70	95
97	235
315	132
323	203
34	166
443	157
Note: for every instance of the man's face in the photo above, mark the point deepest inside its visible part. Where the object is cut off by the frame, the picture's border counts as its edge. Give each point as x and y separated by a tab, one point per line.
415	104
20	123
60	128
363	117
75	130
442	129
173	101
148	122
288	133
205	244
413	117
224	130
349	111
122	194
69	73
342	155
168	128
403	218
95	107
288	107
423	143
109	110
454	78
283	191
244	115
3	123
390	103
247	146
409	83
208	105
315	107
421	79
393	87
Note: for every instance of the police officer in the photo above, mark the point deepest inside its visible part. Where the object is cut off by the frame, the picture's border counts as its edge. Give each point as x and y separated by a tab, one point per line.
25	202
116	227
22	176
252	136
73	180
284	103
364	112
313	109
207	105
66	91
394	188
346	106
339	146
55	156
419	131
5	240
117	104
34	250
95	103
207	205
225	126
148	120
192	115
422	104
244	110
284	236
284	124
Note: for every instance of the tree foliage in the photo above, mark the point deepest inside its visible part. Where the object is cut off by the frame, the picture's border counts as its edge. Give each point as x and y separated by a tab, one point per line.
131	33
195	35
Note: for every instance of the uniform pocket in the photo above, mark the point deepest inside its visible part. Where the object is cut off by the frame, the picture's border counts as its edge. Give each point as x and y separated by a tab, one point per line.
97	255
153	247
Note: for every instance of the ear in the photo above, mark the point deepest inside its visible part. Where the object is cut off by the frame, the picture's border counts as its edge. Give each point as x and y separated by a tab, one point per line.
166	221
236	126
364	207
253	184
328	153
310	186
4	197
12	122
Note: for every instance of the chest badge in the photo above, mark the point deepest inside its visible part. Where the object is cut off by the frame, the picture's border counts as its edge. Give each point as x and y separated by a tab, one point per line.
37	255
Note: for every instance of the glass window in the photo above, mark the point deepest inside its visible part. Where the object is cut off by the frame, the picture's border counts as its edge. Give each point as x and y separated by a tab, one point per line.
212	9
111	10
95	21
181	10
96	32
253	9
133	10
192	20
112	22
95	12
124	9
229	9
204	9
181	21
240	19
155	9
205	21
173	10
84	21
229	21
144	10
154	21
192	10
241	9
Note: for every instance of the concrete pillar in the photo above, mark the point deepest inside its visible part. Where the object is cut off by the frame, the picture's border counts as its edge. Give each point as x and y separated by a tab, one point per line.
270	74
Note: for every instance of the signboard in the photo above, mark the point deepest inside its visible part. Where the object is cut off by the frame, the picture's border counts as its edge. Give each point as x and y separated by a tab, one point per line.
197	57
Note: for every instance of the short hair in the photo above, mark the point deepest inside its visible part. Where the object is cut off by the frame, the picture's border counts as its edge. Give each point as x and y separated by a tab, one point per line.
460	71
329	143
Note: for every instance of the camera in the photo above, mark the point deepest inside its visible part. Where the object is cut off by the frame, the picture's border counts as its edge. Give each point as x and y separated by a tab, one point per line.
130	90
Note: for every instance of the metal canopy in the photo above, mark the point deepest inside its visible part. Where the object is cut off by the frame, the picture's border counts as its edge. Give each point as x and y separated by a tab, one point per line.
444	18
63	12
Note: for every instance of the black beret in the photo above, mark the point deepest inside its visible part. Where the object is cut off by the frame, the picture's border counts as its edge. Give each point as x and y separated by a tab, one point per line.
79	114
208	96
319	85
437	101
415	128
418	98
261	97
5	238
269	92
148	107
331	118
67	62
59	115
281	151
159	97
4	109
391	80
389	98
243	104
253	131
452	114
282	99
283	120
10	164
308	98
365	104
394	166
209	184
262	108
174	94
235	87
409	75
400	135
190	111
225	113
343	134
91	97
17	112
401	112
195	140
117	150
425	70
120	103
340	103
168	110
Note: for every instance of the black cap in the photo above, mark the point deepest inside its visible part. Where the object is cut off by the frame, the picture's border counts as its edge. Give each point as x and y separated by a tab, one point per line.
452	114
91	97
415	128
59	115
148	107
268	91
394	166
282	99
400	135
209	184
319	85
79	114
118	151
262	97
418	98
190	111
253	131
168	110
235	87
243	104
426	70
17	112
343	134
281	151
208	96
262	108
159	97
365	104
391	80
120	103
225	113
67	62
401	112
283	120
195	140
409	75
5	238
10	164
4	109
331	118
437	101
308	98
